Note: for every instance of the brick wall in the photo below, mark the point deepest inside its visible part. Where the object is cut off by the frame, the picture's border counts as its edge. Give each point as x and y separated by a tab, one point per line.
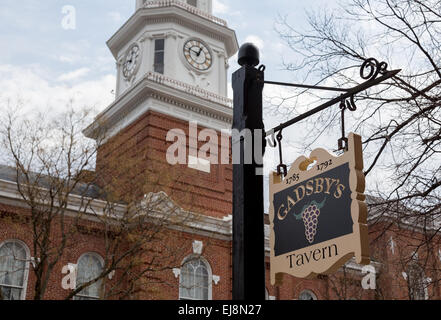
144	144
16	225
133	164
164	285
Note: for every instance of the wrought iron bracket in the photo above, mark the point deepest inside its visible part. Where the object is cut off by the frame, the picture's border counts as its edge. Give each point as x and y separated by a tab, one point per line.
350	105
373	71
281	168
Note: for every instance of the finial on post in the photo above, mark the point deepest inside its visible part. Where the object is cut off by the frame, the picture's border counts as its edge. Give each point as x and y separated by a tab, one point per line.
248	55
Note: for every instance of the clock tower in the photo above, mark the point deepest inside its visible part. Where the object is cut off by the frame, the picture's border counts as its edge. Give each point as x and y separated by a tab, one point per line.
179	39
172	66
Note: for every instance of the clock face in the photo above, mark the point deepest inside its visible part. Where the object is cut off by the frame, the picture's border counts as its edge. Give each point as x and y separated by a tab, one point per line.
131	61
198	55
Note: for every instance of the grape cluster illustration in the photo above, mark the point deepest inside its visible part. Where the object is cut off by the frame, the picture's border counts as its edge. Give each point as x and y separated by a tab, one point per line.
310	215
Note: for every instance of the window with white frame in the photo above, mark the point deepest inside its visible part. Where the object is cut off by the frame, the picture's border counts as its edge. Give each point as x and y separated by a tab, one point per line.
158	63
307	295
14	268
90	267
195	280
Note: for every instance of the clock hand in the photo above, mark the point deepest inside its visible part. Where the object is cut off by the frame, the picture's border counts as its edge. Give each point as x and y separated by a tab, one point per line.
131	58
200	52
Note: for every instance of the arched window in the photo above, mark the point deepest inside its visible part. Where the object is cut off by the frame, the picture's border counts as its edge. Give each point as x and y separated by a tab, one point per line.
195	280
14	269
307	295
90	267
416	282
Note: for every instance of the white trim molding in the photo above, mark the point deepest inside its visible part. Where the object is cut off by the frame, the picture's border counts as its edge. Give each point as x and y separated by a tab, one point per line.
9	195
176	272
216	279
392	245
162	94
34	262
198	247
182	4
197	20
193	223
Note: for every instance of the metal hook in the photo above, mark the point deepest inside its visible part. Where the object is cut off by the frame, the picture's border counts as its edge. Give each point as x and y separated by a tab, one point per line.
351	104
281	168
272	139
343	142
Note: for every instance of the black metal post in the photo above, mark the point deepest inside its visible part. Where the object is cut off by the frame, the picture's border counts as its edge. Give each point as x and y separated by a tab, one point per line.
248	215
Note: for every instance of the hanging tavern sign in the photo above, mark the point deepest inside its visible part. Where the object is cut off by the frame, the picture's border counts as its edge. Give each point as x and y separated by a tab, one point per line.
318	216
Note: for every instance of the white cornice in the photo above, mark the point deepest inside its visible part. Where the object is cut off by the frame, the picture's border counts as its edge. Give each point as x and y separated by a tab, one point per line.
188	221
216	111
10	195
352	265
145	16
409	221
193	222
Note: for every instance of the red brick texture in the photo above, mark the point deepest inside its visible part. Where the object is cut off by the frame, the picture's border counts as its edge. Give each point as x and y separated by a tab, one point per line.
140	149
144	142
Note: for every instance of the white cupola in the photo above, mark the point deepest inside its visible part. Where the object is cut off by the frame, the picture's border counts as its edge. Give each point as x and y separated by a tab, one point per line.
171	57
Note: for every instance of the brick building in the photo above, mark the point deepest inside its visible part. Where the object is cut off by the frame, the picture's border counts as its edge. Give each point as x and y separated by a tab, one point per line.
172	63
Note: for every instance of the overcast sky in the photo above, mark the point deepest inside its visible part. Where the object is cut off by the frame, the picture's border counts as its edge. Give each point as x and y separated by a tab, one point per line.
42	60
46	65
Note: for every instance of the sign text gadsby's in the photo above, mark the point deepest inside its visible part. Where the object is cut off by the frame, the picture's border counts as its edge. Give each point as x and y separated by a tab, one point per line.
315	225
311	210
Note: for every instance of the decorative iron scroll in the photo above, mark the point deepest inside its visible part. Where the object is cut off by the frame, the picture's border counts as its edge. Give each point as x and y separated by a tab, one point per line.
374	67
373	71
